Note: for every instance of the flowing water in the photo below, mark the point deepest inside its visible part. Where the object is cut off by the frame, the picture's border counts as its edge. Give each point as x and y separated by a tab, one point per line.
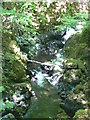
45	102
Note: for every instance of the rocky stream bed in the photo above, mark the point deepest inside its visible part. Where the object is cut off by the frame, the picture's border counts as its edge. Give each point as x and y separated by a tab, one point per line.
56	85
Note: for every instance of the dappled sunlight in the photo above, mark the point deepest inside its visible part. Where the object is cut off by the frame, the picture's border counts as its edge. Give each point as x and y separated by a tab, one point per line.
73	76
16	49
45	60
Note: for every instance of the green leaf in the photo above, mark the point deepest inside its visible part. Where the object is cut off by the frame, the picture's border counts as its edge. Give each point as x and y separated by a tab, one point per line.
3	108
2	88
8	104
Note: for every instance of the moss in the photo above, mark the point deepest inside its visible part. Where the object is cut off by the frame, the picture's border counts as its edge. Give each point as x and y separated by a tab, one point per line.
74	76
88	103
81	114
77	46
13	65
70	63
78	88
71	47
81	65
18	70
85	36
76	52
62	115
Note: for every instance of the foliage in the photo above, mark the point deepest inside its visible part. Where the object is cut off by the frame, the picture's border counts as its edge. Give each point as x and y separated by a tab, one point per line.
78	48
2	88
25	21
81	114
72	21
34	18
4	105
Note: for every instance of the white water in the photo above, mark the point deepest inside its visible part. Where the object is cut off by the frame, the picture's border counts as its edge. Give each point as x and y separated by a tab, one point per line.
71	31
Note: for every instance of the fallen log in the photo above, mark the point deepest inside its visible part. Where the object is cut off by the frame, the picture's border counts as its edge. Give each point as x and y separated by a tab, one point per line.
46	64
37	62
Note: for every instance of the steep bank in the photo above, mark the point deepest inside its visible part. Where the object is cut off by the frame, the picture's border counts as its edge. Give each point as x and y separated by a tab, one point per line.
17	88
76	74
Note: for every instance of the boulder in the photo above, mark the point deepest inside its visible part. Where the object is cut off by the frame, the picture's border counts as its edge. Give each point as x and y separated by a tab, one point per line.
71	106
76	75
14	67
9	116
73	76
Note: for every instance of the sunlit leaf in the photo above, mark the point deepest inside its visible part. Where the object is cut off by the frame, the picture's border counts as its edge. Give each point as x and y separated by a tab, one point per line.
2	88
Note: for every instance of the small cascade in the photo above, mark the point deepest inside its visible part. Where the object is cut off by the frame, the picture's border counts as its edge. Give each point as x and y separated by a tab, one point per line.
46	80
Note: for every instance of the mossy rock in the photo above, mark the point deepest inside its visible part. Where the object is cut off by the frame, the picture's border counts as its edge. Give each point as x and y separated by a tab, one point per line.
62	115
18	72
11	89
13	65
76	47
74	63
74	76
6	39
82	114
71	46
81	65
13	69
70	63
85	36
78	88
71	106
8	117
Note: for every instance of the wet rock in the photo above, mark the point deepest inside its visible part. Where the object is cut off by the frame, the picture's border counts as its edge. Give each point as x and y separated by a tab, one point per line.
55	78
17	98
8	117
63	95
71	107
57	68
13	60
64	89
47	70
22	104
62	115
52	40
28	95
75	74
20	95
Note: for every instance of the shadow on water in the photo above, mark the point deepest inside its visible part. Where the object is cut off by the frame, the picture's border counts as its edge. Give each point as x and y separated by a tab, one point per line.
45	103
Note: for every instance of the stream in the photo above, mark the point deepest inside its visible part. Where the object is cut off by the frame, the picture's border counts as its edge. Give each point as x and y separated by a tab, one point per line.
45	102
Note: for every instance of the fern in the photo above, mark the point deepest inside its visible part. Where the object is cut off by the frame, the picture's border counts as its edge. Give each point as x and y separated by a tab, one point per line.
72	21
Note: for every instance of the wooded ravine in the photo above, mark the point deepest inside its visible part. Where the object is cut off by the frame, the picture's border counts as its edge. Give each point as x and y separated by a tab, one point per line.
44	60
